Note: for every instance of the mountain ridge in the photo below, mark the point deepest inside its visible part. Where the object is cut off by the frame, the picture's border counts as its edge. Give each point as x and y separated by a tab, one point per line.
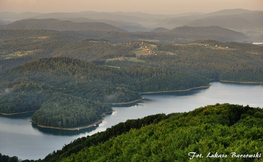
235	21
54	24
209	32
145	20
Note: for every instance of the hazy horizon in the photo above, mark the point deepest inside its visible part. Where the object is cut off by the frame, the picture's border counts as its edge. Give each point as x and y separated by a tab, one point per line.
147	6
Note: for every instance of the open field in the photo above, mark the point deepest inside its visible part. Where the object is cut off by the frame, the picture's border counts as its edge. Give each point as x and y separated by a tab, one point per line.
150	40
15	54
165	52
125	59
141	51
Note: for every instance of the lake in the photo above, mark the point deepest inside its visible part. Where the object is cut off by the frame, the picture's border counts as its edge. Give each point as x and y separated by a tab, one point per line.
19	137
257	43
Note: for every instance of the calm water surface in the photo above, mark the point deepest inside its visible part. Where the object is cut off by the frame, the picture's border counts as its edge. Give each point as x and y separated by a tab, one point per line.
19	137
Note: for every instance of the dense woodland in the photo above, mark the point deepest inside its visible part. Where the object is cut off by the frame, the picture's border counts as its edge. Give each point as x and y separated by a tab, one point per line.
214	60
6	158
217	128
69	93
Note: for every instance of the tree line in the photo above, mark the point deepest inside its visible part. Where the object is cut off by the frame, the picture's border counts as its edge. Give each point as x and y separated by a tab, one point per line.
69	93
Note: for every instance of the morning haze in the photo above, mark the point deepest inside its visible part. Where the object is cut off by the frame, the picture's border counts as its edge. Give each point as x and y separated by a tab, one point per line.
146	6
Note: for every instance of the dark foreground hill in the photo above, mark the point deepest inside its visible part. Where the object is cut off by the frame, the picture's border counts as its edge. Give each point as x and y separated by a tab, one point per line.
212	133
59	25
219	132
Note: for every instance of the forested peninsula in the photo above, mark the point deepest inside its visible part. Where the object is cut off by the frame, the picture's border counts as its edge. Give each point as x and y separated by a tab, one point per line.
70	93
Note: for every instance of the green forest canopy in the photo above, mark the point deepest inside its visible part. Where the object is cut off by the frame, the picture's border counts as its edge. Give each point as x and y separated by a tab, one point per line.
66	91
223	129
233	61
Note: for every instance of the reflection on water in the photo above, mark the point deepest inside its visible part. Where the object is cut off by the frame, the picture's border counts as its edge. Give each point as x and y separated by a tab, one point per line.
181	93
18	116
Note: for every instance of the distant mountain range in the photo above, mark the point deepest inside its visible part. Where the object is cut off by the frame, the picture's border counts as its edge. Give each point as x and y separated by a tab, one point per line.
59	25
110	32
210	32
237	24
2	22
160	29
129	26
237	19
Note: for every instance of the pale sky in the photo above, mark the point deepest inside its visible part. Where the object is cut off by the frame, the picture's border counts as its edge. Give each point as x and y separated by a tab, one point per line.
145	6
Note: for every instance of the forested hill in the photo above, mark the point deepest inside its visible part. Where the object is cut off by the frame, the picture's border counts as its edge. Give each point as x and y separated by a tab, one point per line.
59	25
241	62
40	34
21	46
216	129
237	21
182	34
80	91
160	29
210	32
1	23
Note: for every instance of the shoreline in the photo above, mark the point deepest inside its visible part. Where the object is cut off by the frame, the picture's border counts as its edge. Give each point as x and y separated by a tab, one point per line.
75	128
229	81
189	89
125	103
7	114
107	113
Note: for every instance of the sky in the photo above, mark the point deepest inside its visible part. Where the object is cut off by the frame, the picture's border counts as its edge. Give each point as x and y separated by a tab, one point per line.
144	6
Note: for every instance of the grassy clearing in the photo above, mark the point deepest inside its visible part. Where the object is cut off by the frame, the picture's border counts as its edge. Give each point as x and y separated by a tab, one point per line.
150	40
166	52
153	46
254	53
146	51
179	44
16	54
134	59
141	51
117	67
195	44
43	37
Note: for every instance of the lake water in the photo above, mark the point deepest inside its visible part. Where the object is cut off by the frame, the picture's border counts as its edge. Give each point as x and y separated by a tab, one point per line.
19	137
258	43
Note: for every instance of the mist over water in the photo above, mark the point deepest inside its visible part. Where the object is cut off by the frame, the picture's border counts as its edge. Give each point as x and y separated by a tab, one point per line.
19	137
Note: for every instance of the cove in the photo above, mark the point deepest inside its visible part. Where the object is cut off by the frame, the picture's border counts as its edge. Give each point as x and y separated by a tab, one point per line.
19	137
